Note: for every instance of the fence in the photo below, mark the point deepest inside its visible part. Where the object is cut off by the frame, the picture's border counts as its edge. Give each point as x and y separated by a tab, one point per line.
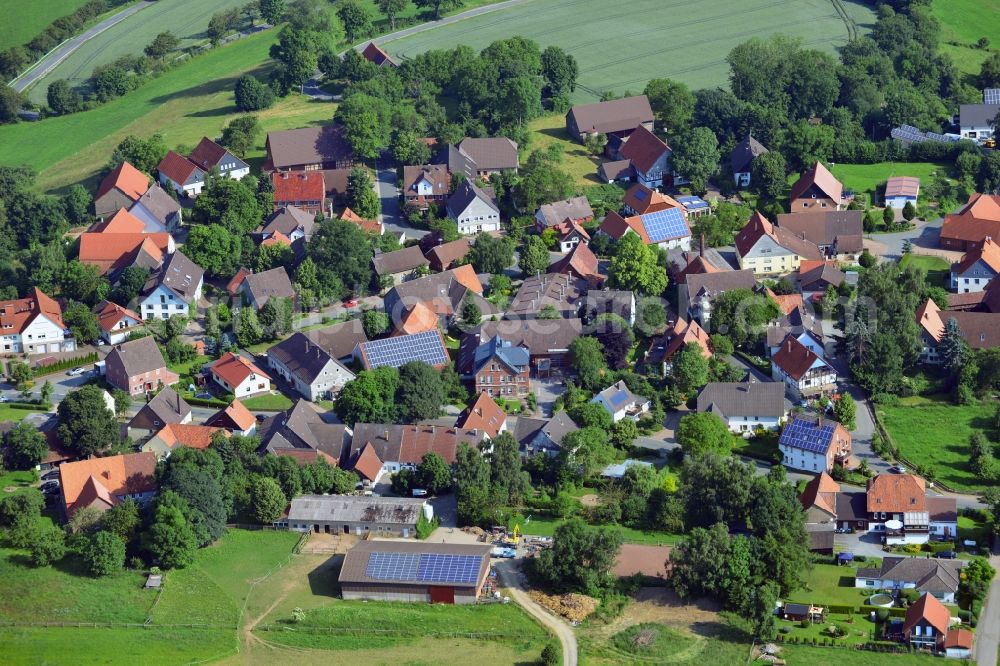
402	633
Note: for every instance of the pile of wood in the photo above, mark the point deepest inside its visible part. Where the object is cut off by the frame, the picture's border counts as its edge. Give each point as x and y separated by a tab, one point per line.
573	607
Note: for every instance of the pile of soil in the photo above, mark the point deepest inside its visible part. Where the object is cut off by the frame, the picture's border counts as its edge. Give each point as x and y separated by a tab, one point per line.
573	607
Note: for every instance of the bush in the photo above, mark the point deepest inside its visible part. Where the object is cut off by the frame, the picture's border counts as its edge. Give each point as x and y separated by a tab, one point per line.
104	554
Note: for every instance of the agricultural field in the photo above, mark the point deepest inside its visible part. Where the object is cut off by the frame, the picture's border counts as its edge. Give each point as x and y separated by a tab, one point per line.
22	21
934	433
185	19
676	39
963	22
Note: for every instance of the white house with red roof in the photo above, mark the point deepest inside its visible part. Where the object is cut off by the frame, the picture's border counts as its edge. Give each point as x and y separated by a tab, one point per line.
239	376
182	174
209	155
33	325
116	322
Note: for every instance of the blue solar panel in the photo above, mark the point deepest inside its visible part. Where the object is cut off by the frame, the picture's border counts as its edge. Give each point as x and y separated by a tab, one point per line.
665	224
991	95
808	436
393	566
619	397
395	352
449	568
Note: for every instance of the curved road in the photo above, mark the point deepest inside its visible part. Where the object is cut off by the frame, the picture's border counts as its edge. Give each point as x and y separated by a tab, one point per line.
512	580
64	50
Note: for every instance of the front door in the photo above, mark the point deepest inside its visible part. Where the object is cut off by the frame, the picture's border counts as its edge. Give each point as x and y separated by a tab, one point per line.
347	529
326	529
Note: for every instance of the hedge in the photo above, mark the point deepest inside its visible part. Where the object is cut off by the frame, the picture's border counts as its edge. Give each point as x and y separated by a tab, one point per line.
206	402
34	406
65	364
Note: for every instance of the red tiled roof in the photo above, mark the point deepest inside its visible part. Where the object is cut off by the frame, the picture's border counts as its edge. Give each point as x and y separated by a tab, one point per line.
902	186
126	178
683	333
483	414
794	358
821	177
123	222
988	252
276	238
307	456
930	610
233	286
110	314
417	319
579	262
234	369
759	226
368	463
207	154
616	226
978	219
643	148
292	186
374	53
821	492
235	417
100	479
18	313
176	167
896	493
188	434
644	200
106	250
368	226
958	638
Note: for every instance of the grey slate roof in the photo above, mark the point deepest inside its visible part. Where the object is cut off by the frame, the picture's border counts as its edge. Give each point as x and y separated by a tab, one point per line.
166	407
491	154
178	274
794	323
516	358
852	506
399	261
356	509
610	302
160	204
457	161
561	291
744	153
977	115
303	358
300	427
929	574
612	116
576	208
269	284
559	426
308	145
541	337
618	395
751	398
286	220
465	194
339	340
137	356
714	284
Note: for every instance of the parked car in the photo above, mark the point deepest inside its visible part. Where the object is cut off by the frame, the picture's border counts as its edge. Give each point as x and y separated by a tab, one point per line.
50	486
75	372
351	303
4	398
897	469
946	555
261	417
204	396
419	492
51	474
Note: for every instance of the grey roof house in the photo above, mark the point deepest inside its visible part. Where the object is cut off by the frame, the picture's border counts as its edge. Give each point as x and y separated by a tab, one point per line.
491	155
543	435
157	210
745	406
742	157
308	367
618	117
473	209
357	514
563	292
400	265
934	576
301	428
165	408
172	288
258	288
618	401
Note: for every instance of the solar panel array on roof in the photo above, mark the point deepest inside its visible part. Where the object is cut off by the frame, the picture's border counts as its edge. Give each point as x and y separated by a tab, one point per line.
805	435
393	566
619	397
441	568
692	202
399	351
640	194
908	133
423	567
991	96
665	224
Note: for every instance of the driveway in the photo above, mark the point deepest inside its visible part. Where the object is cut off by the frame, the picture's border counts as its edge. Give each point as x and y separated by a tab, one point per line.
66	49
868	544
923	235
512	578
988	631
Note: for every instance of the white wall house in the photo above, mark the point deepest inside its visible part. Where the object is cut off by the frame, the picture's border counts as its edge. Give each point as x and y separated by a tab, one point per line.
33	325
621	403
239	376
163	303
311	370
121	329
473	210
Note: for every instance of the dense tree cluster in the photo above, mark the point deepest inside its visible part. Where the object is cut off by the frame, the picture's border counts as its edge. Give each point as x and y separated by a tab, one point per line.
414	392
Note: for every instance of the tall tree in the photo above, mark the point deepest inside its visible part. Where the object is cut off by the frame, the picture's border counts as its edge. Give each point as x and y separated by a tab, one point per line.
23	447
768	175
419	394
534	257
491	254
634	267
86	425
581	557
696	156
437	6
672	103
704	432
367	124
392	9
361	195
272	11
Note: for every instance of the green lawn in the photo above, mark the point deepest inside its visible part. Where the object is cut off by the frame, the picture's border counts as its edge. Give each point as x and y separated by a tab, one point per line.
938	270
268	402
148	646
11	414
801	655
932	432
866	178
24	20
17	481
829	584
576	161
681	40
185	19
964	22
545	526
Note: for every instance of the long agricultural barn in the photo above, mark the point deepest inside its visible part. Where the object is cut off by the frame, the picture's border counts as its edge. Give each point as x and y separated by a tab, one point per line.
358	514
415	571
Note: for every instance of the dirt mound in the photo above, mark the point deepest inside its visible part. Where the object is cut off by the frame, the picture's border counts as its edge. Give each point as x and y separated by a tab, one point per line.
478	532
574	607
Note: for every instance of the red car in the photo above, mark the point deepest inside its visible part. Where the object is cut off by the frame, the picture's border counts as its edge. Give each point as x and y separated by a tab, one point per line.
351	303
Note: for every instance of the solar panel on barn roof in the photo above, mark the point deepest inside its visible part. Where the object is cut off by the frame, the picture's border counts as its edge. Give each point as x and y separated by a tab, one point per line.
442	568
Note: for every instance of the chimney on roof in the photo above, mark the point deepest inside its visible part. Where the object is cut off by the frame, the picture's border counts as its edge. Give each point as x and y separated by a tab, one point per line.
789	345
385	435
701	246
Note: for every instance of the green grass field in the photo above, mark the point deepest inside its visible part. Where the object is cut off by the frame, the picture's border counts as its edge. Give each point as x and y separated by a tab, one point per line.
273	402
829	584
964	22
867	178
932	432
938	270
576	161
801	655
185	19
24	20
545	526
676	39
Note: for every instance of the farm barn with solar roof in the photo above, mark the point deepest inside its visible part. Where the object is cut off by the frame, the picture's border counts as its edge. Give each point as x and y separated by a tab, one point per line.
415	571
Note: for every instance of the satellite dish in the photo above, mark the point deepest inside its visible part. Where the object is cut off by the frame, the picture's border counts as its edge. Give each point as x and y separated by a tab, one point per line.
894	524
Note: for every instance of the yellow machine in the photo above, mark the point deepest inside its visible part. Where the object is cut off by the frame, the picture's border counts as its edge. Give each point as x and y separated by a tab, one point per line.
515	536
990	143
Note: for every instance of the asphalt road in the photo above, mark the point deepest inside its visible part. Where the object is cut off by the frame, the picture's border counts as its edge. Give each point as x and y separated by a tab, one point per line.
60	53
392	219
988	630
430	25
